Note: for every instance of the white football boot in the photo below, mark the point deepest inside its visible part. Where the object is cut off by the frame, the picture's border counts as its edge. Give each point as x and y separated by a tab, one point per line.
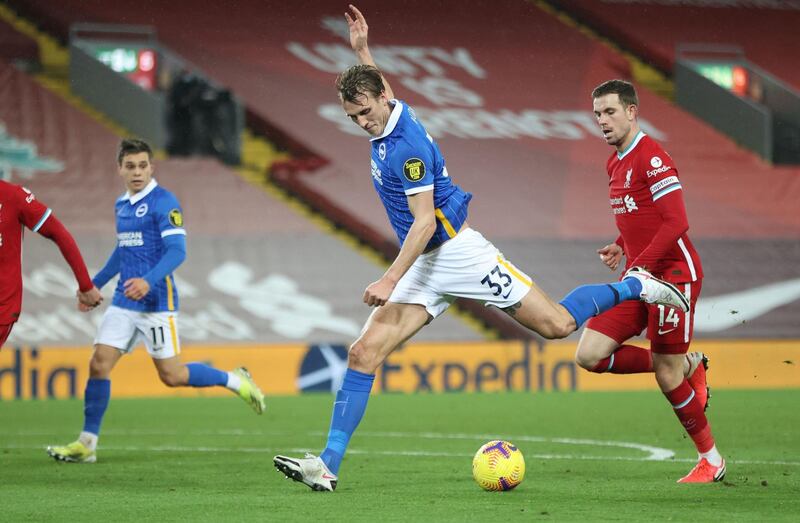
310	470
658	291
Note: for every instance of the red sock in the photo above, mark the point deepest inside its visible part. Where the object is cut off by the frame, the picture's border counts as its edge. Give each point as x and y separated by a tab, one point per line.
691	415
627	359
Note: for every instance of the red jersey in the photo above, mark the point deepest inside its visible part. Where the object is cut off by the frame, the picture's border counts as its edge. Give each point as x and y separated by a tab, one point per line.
18	208
647	201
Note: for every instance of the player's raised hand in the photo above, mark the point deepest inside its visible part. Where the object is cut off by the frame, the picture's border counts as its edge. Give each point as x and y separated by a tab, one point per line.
358	29
136	288
611	255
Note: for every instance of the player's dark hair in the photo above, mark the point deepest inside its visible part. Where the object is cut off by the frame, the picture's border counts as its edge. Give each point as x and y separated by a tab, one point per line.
359	80
133	146
625	91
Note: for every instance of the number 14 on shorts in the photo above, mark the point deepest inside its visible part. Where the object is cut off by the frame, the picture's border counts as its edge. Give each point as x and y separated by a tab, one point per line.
669	317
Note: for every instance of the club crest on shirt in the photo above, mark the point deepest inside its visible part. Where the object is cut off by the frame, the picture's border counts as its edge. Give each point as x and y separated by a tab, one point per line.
628	175
176	217
414	169
141	210
382	151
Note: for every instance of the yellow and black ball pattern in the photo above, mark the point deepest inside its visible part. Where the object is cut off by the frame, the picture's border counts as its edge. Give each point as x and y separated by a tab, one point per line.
498	465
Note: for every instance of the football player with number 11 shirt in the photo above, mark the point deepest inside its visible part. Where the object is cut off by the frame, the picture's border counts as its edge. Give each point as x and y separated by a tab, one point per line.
151	244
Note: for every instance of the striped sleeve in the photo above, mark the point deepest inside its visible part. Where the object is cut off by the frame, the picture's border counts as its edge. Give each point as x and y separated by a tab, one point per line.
43	219
33	214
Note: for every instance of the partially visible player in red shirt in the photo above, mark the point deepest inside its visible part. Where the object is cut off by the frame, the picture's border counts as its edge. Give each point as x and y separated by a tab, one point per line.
646	199
20	209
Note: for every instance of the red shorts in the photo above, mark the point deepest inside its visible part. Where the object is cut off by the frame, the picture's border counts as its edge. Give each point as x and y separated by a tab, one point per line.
669	330
5	330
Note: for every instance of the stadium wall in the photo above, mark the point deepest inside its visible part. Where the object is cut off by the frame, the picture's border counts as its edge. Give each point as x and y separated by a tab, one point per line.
56	372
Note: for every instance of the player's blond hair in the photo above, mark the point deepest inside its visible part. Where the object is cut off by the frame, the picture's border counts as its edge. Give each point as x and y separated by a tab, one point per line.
359	80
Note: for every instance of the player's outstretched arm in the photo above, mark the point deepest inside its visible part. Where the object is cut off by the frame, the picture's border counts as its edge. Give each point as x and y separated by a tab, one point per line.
54	230
358	41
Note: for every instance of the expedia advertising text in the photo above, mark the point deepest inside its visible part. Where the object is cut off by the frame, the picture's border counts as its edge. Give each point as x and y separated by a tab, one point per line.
418	368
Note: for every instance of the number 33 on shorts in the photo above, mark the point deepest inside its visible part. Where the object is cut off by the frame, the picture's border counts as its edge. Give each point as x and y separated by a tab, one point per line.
504	285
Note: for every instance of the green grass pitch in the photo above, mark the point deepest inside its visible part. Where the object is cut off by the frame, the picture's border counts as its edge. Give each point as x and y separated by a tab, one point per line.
589	457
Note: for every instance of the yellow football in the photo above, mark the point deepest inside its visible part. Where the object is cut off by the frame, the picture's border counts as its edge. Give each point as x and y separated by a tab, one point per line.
498	465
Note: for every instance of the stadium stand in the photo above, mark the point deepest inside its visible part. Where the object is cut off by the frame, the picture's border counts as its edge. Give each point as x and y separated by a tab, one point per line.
268	284
653	28
254	272
16	46
514	123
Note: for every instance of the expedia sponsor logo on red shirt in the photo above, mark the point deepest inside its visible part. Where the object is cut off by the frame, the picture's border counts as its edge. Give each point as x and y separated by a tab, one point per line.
658	167
659	170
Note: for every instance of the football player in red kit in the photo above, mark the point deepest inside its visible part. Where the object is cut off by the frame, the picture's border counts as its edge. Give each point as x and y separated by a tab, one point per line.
647	202
20	209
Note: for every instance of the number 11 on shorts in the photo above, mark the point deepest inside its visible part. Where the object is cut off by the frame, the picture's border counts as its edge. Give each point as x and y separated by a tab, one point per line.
155	334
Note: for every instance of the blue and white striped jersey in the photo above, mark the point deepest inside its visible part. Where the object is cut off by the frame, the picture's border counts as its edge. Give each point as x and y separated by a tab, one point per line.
406	161
143	220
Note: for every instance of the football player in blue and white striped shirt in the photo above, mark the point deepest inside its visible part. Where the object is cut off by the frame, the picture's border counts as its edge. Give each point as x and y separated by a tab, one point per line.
151	244
441	258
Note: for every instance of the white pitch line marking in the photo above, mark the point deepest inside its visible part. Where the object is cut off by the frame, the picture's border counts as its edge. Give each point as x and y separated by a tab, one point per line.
411	453
653	453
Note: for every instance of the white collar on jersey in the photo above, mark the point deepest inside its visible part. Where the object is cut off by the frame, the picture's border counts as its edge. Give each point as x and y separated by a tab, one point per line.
136	198
393	119
634	143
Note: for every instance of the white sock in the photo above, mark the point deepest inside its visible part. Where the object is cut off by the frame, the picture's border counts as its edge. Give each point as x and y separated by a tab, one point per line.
88	439
713	456
234	382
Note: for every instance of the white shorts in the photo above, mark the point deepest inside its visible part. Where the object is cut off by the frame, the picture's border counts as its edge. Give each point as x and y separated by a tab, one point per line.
123	329
467	266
